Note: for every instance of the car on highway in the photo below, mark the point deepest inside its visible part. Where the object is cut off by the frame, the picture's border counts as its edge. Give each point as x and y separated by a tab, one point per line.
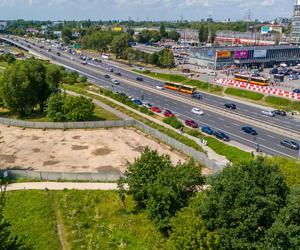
147	105
268	113
72	58
115	81
197	95
159	87
168	113
197	111
156	109
221	136
212	73
290	144
191	123
138	102
118	74
279	112
83	62
296	91
140	79
58	53
107	76
249	130
230	105
207	130
111	70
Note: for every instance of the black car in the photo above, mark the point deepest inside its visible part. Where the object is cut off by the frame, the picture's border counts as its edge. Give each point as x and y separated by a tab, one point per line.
140	79
106	76
279	112
58	53
111	70
118	73
220	135
297	91
290	144
197	96
230	105
249	130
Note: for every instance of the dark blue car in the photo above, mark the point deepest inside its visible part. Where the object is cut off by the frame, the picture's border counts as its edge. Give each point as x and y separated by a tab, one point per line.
138	102
249	130
207	130
221	136
297	91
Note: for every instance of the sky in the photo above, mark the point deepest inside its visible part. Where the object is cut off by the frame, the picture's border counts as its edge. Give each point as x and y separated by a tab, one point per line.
144	9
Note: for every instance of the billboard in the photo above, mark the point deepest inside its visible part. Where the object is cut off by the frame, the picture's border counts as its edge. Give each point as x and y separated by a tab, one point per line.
223	54
241	54
265	29
210	53
260	53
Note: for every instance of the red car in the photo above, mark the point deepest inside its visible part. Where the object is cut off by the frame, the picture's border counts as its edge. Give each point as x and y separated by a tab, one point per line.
168	113
156	109
191	124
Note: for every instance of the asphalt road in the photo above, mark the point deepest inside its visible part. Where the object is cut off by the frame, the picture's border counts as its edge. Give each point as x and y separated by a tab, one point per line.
269	142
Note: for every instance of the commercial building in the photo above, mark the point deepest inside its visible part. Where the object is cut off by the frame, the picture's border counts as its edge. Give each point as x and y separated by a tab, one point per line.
266	56
295	34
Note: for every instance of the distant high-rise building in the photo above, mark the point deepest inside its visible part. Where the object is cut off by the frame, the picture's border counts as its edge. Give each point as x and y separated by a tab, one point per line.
295	34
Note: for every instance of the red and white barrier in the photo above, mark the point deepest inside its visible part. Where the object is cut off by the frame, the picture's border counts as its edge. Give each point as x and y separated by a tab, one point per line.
262	89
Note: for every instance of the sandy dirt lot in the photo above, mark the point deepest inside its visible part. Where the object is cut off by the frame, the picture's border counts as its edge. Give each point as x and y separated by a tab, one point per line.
75	150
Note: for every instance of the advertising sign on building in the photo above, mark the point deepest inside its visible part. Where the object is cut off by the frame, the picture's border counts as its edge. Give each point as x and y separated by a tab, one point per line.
210	53
265	29
260	53
223	54
241	54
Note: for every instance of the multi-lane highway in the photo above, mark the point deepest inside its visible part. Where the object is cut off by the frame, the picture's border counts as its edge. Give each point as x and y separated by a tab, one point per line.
215	114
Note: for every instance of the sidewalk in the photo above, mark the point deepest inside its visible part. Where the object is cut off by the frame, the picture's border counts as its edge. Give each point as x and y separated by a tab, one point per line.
61	186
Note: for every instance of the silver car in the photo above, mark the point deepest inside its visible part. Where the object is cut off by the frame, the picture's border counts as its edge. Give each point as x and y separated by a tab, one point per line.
268	113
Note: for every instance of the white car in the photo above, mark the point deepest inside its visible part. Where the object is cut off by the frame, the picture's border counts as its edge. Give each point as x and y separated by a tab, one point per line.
197	111
159	87
212	73
268	113
114	81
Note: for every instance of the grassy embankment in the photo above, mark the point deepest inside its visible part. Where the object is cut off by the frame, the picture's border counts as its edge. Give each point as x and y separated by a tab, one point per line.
88	219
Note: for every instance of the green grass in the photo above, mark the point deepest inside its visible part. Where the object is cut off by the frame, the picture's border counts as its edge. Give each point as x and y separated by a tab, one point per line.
101	114
90	220
244	94
32	219
282	103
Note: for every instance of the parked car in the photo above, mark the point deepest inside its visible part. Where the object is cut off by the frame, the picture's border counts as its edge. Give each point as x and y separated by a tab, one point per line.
222	136
279	112
159	87
197	111
115	81
249	130
230	105
111	70
106	76
147	105
290	144
168	113
140	79
138	102
212	73
207	130
191	124
156	109
268	113
118	74
293	77
297	91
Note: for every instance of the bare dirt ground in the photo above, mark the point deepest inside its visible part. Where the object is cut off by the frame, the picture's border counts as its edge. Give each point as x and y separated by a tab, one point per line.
75	150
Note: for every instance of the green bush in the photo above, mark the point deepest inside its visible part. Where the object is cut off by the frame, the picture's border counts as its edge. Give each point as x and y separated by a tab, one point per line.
173	121
244	93
145	110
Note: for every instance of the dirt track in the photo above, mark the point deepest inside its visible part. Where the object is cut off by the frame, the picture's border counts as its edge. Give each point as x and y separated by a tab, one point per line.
75	150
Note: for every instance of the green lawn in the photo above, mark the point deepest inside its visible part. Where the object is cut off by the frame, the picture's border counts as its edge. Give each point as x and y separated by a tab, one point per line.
244	94
90	220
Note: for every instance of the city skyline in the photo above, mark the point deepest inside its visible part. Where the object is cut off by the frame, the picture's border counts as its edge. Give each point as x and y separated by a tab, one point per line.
144	9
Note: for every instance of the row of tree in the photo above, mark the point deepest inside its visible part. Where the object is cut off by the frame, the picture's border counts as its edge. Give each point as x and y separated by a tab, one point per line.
247	206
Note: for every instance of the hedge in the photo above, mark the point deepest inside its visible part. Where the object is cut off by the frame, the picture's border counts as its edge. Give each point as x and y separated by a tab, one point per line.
244	93
173	121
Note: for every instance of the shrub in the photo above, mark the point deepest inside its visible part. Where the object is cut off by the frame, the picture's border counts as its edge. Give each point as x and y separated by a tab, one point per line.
145	111
173	121
244	93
